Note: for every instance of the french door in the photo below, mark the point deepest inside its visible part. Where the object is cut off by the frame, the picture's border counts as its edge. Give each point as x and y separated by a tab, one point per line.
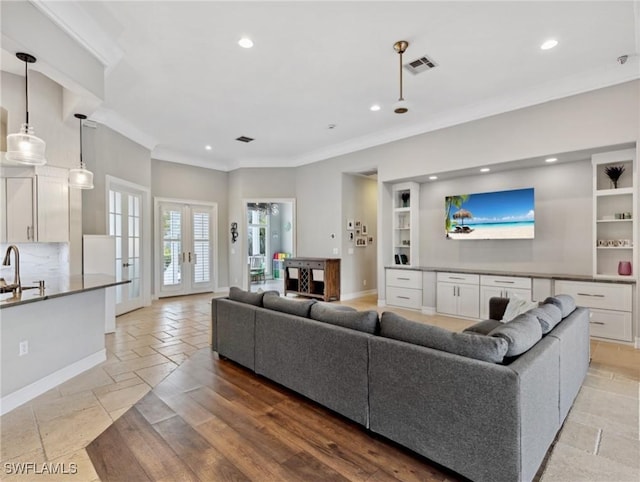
186	247
125	224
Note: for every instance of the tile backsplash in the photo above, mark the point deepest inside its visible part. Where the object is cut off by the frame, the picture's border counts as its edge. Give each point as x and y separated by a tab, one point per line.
38	260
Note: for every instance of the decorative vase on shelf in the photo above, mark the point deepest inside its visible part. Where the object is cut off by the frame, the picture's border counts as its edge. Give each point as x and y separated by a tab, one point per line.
624	268
614	173
405	199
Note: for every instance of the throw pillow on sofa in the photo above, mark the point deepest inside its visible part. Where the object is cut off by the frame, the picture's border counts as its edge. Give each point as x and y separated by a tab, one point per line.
238	294
520	334
548	315
366	321
275	302
479	347
565	302
517	306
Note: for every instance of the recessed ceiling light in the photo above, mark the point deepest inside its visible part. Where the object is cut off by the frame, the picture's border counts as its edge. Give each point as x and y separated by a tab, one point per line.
485	169
549	44
374	108
551	159
331	126
208	147
433	178
245	43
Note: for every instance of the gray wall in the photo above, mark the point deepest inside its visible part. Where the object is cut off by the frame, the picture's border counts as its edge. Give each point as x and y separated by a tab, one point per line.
108	153
189	183
563	208
358	265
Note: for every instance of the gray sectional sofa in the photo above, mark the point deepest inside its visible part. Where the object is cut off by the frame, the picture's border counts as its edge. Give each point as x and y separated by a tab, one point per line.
467	400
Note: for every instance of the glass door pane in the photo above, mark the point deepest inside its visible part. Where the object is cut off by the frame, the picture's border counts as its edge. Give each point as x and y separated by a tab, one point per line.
201	261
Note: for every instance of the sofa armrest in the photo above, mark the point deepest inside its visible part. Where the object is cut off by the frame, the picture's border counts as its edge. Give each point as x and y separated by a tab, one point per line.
497	307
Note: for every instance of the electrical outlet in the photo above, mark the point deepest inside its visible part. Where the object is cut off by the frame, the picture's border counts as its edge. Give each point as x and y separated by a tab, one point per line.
335	251
23	348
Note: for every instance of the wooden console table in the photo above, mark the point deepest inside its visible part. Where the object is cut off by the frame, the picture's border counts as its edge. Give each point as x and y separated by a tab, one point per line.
313	277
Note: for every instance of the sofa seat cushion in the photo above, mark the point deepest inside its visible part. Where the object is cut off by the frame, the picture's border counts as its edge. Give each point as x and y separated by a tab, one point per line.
483	327
520	334
479	347
365	321
276	302
566	303
548	315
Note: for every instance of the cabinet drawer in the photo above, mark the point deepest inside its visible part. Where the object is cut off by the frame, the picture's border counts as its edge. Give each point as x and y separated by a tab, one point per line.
404	278
608	296
610	324
304	264
404	297
506	282
459	278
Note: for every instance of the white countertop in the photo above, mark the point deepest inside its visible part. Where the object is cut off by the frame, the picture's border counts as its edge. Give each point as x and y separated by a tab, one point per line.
59	286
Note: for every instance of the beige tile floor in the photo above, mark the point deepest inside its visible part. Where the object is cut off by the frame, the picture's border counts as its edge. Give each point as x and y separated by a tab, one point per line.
599	441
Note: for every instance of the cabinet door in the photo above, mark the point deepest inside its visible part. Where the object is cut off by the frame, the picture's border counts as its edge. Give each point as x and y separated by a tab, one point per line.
469	300
19	214
446	299
53	209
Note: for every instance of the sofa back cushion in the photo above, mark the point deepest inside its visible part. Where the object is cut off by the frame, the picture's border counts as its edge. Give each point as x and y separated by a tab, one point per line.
365	321
296	307
520	334
238	294
566	303
548	316
486	348
483	327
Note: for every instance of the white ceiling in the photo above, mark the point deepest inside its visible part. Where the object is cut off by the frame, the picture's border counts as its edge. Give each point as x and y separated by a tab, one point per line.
176	79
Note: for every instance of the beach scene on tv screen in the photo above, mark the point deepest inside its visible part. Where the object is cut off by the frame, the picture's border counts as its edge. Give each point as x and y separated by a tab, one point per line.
491	215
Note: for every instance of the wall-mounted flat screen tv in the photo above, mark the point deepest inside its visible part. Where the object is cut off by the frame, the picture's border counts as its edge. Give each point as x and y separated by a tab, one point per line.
491	215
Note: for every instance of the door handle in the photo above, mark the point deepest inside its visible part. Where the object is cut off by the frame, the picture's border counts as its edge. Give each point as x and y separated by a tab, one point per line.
189	256
126	265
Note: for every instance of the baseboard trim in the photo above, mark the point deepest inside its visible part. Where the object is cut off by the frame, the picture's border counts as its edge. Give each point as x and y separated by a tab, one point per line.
359	294
428	310
637	342
31	391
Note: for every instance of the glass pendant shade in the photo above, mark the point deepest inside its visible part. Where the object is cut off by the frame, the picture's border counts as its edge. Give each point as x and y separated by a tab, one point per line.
26	148
81	178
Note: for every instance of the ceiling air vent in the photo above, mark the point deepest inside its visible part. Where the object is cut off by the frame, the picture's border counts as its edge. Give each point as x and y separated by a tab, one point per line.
244	139
420	65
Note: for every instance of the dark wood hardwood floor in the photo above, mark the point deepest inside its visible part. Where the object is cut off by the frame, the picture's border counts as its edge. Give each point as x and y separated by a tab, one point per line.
213	420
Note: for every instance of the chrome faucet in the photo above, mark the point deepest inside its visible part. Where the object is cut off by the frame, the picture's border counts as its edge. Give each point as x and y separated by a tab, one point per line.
16	287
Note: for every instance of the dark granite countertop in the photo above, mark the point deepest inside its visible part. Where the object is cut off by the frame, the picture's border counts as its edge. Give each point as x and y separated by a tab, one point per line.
554	276
59	286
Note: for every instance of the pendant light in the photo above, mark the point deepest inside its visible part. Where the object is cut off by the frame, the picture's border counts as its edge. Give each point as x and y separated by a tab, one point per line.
81	178
24	147
401	106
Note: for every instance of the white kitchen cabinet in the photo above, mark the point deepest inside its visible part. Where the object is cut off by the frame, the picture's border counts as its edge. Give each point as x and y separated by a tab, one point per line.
19	215
502	287
53	209
458	294
34	205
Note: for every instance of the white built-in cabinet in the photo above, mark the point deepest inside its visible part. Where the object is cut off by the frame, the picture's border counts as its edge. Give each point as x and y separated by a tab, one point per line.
610	306
458	294
34	205
502	287
615	228
404	288
405	219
